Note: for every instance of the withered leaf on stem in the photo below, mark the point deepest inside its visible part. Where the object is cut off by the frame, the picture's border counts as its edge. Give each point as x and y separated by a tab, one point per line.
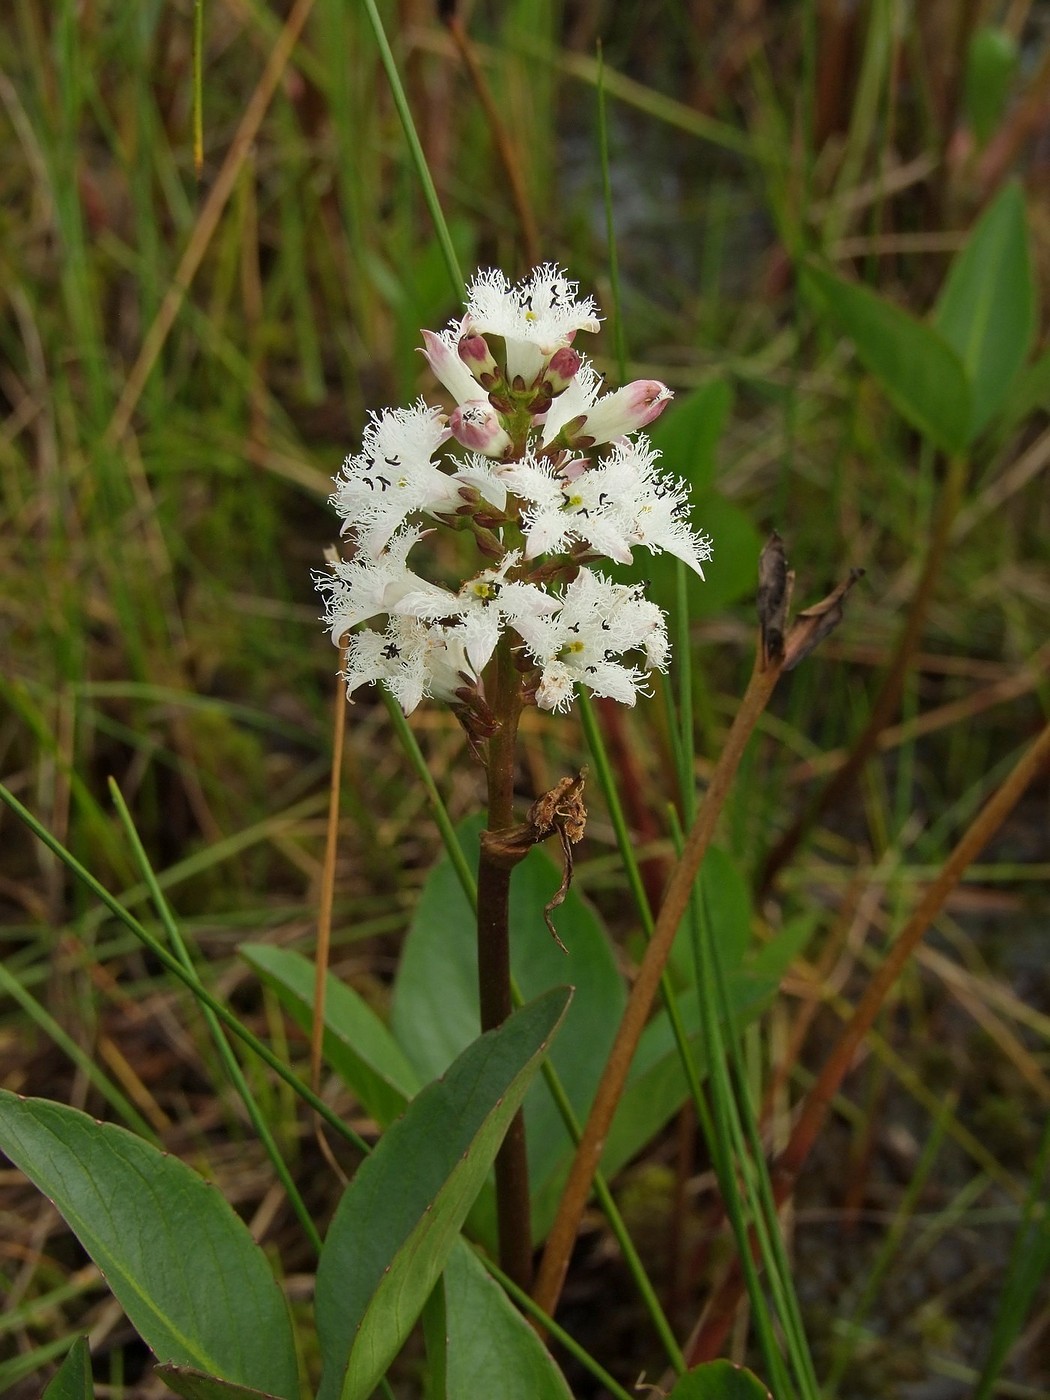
560	810
775	582
813	624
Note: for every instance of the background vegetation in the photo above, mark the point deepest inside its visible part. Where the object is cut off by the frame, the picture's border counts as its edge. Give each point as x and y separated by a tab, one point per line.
187	356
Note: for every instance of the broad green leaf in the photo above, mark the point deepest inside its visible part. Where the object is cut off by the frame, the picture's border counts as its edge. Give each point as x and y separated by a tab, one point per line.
773	959
1029	391
656	1086
991	63
719	1380
399	1218
73	1380
687	433
920	372
435	1007
195	1385
490	1350
357	1044
986	310
730	574
182	1265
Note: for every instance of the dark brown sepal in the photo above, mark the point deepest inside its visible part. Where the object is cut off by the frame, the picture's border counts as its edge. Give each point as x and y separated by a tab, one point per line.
775	582
813	624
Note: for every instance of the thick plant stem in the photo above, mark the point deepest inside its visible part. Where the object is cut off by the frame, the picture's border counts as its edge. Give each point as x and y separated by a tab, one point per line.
494	980
888	699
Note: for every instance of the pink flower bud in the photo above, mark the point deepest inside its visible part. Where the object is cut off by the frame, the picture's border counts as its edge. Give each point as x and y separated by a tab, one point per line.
448	367
478	426
562	368
475	353
634	406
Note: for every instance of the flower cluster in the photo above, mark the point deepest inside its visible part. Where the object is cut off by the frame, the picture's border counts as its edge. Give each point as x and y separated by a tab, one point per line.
536	463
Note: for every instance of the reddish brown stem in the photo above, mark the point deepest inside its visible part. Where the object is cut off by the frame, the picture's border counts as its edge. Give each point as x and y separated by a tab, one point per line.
494	979
510	159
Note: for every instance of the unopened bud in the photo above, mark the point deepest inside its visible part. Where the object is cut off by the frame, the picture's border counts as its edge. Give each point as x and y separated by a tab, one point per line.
475	353
562	368
448	367
634	406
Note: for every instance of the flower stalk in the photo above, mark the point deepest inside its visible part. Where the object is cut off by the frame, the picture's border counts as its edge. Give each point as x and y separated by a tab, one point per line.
494	976
544	474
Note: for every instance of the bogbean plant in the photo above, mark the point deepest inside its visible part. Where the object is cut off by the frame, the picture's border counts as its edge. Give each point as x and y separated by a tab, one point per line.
545	476
548	480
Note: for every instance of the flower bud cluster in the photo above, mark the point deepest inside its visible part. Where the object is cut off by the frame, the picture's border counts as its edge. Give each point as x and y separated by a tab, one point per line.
537	464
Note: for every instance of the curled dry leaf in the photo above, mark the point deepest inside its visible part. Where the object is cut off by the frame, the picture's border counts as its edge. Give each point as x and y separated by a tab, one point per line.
813	624
560	810
775	582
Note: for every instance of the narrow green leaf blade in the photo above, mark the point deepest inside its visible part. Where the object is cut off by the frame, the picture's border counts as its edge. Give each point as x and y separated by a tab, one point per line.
719	1380
986	310
490	1348
399	1218
73	1379
196	1385
183	1266
921	373
356	1043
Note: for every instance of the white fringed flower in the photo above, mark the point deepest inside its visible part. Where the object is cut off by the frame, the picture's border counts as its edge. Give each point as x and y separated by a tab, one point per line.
394	475
598	621
528	411
536	318
483	607
411	658
358	589
622	502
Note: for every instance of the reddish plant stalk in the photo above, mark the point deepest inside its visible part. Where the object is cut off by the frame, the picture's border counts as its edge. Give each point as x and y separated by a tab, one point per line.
494	979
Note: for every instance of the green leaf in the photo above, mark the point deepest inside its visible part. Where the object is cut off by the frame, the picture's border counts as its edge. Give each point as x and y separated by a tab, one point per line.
728	900
719	1380
986	310
656	1086
399	1218
357	1044
490	1350
991	63
687	433
920	372
1029	392
435	1007
73	1379
183	1266
196	1385
731	573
